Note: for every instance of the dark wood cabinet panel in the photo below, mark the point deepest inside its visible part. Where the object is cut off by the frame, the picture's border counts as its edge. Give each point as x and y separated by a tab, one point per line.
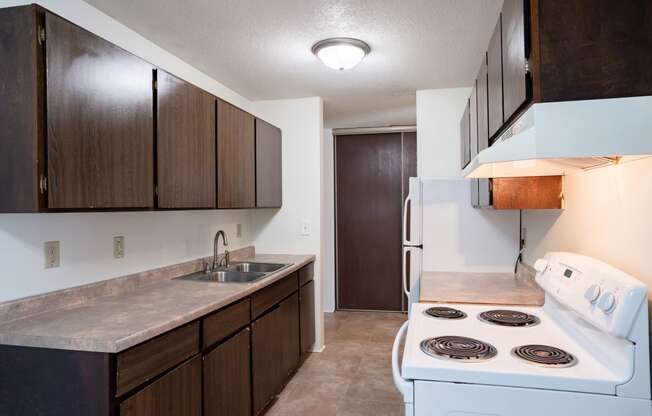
306	273
177	393
271	295
235	157
483	106
227	378
465	136
22	111
592	49
275	351
185	145
495	80
307	318
541	192
225	322
145	361
515	92
269	165
99	122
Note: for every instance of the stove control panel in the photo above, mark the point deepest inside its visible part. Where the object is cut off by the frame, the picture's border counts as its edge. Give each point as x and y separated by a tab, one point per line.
601	294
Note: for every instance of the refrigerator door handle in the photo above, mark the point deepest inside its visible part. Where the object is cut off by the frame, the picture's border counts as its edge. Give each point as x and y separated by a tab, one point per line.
404	272
408	199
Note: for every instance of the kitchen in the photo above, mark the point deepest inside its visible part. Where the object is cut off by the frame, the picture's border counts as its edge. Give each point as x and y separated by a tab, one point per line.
123	156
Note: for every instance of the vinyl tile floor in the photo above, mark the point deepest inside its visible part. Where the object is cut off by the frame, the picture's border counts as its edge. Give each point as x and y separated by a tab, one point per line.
352	376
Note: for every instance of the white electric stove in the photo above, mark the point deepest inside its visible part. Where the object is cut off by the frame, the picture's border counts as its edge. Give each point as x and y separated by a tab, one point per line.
585	352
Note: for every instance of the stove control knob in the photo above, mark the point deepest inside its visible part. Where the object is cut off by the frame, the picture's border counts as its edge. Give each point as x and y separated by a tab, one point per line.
592	293
540	265
607	302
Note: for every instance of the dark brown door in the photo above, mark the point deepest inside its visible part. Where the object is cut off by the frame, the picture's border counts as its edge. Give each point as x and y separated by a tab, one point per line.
307	317
465	136
176	393
99	124
513	35
235	157
495	80
185	144
269	185
368	221
227	378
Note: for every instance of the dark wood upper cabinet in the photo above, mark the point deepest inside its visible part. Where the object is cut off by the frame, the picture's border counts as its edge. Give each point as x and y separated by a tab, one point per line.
495	80
483	106
22	110
176	393
465	136
100	123
515	91
473	121
236	185
227	378
185	144
269	178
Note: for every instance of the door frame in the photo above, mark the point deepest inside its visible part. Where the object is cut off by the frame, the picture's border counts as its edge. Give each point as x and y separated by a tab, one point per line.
352	132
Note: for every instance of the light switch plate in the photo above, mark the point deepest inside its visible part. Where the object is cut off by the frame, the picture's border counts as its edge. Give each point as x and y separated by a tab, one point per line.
118	247
52	252
306	229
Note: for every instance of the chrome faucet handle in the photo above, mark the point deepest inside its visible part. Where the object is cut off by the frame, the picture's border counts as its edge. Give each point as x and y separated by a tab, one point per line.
207	267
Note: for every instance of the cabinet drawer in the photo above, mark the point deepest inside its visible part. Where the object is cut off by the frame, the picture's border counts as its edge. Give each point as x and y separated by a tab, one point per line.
145	361
273	294
306	274
225	322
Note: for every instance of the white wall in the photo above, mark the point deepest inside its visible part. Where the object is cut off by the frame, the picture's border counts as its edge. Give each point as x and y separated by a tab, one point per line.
607	216
328	221
152	239
438	131
279	231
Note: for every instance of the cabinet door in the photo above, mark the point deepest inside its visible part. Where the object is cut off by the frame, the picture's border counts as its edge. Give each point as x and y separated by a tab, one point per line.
513	35
185	144
483	106
274	350
235	157
495	80
307	317
227	378
100	125
465	137
176	393
269	184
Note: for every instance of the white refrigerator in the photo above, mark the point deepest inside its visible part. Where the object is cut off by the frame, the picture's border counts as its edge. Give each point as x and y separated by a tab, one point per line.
443	232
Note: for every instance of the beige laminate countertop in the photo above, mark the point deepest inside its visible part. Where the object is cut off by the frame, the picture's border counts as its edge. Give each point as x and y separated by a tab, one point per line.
114	323
486	288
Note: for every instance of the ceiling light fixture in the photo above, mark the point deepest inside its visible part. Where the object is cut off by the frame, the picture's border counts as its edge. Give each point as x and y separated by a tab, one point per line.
341	53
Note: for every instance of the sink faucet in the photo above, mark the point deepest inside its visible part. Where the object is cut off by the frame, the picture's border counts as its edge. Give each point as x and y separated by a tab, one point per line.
224	261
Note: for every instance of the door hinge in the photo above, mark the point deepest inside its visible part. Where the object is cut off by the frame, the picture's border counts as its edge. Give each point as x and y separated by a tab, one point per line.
526	66
41	35
43	184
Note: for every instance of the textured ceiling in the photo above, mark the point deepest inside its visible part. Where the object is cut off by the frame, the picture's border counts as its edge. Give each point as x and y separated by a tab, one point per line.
261	48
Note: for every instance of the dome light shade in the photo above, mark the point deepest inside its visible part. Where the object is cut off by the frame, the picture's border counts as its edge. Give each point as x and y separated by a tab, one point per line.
341	53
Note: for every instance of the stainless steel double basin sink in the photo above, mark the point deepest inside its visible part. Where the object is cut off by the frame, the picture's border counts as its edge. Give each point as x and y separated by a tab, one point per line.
237	272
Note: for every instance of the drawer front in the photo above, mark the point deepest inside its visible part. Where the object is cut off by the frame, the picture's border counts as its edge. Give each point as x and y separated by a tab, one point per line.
273	294
225	322
306	274
145	361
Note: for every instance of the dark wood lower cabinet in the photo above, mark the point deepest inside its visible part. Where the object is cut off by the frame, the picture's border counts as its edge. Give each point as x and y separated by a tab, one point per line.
307	317
227	378
177	393
274	350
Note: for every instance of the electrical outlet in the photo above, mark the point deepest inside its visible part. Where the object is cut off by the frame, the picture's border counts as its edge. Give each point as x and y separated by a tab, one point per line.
51	250
238	231
118	247
306	229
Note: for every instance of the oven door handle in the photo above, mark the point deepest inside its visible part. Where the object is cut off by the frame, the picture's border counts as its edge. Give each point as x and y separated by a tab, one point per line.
404	386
